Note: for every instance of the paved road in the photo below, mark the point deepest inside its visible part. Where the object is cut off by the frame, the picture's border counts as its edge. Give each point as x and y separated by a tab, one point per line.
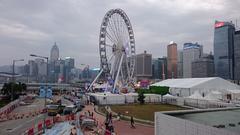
14	127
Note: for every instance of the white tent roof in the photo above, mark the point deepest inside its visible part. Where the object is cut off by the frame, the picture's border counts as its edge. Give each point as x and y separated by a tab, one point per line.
182	83
213	95
196	95
202	83
234	91
168	95
216	92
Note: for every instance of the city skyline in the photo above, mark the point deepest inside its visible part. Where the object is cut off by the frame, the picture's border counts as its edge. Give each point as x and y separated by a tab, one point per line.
33	27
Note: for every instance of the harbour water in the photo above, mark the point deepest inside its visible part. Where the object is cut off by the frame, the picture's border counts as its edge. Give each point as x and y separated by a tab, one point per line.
230	119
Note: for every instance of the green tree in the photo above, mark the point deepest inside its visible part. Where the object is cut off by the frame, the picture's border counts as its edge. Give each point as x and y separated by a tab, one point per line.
141	97
161	90
6	89
13	89
24	87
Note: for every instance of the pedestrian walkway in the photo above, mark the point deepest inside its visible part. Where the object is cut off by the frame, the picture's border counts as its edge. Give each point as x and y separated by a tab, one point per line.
122	127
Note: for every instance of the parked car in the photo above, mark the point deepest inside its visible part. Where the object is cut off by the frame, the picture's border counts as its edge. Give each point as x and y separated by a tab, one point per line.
55	109
69	110
77	101
78	108
52	110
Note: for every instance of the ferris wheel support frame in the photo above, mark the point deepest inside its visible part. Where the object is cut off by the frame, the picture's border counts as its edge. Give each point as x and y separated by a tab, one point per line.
99	74
119	68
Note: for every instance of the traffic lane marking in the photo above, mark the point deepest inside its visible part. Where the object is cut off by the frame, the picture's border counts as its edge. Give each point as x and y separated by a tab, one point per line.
23	124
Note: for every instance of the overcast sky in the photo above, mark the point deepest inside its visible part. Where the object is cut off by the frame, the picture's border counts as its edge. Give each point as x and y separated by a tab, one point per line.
32	26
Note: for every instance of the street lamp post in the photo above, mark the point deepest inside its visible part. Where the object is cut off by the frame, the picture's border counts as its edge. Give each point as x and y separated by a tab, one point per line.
45	96
13	75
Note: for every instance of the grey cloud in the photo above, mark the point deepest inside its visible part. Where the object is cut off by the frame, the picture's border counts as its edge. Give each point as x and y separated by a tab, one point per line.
74	25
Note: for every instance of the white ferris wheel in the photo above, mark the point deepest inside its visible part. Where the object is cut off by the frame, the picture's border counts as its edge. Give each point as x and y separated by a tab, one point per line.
117	49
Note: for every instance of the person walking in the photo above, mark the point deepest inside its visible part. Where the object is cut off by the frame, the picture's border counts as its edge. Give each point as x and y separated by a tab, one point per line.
132	122
107	121
92	114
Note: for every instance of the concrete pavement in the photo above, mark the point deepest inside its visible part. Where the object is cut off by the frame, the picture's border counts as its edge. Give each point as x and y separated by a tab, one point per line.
122	127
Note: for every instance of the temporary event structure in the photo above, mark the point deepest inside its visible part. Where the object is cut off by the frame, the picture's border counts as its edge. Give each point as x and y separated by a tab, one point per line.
187	86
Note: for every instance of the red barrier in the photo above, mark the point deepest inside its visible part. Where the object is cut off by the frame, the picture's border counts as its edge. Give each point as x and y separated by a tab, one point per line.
40	127
48	123
31	131
73	117
107	132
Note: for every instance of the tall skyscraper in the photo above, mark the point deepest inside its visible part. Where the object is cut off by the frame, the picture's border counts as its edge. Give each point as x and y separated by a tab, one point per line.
172	60
180	64
191	52
69	62
224	49
159	68
203	67
143	66
42	70
60	70
54	55
69	65
237	55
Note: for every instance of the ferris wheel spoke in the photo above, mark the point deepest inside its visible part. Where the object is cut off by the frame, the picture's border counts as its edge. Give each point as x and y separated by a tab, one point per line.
116	25
112	29
111	35
108	45
111	38
122	29
124	34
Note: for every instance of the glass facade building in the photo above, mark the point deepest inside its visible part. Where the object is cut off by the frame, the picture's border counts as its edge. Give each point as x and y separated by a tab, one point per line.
191	52
172	59
143	66
159	68
224	49
237	55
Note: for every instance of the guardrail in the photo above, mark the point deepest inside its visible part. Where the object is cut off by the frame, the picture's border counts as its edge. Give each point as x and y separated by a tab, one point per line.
15	116
11	106
50	122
